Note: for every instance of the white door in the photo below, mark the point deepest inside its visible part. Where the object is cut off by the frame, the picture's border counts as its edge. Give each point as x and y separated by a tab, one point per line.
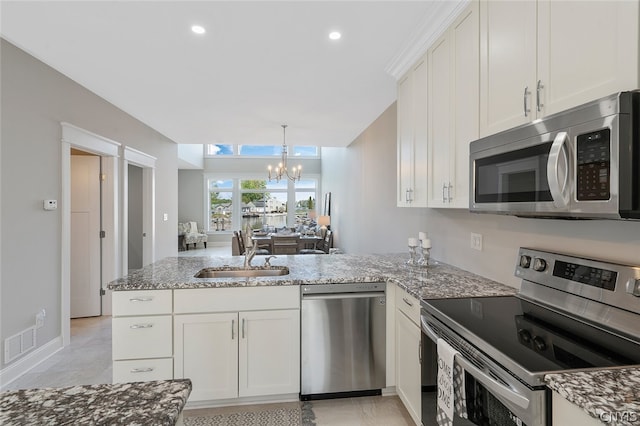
206	351
85	236
269	355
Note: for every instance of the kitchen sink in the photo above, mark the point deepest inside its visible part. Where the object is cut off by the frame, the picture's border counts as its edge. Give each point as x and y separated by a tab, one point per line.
239	272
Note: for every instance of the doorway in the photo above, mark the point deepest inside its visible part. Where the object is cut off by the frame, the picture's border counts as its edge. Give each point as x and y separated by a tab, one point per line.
135	234
86	247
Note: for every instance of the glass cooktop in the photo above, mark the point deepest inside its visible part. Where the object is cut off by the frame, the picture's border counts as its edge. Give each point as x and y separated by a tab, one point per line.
538	339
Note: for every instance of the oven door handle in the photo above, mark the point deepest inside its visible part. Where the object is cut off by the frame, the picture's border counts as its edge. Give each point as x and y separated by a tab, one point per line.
490	383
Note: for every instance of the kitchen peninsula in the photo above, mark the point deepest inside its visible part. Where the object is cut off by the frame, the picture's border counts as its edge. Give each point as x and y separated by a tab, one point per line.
238	339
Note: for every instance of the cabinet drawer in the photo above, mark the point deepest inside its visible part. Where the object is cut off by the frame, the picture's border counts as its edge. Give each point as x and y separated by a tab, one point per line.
142	370
200	300
144	302
408	304
142	337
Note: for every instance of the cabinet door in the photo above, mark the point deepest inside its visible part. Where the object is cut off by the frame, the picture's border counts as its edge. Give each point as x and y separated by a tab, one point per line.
405	140
408	370
439	95
206	351
508	64
269	358
420	147
586	50
465	89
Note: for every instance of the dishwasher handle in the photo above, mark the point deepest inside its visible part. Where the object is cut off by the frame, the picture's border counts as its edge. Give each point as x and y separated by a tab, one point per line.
328	296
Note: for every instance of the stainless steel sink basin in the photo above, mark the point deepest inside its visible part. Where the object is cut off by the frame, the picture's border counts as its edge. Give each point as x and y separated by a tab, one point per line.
239	272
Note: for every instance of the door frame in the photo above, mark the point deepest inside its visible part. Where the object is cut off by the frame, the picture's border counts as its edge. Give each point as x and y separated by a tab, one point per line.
76	137
148	164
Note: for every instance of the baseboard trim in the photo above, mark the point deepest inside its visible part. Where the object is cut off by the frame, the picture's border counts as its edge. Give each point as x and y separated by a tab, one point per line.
29	361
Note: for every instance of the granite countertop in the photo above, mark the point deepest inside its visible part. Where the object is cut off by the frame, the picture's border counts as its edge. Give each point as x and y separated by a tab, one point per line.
612	396
141	403
440	280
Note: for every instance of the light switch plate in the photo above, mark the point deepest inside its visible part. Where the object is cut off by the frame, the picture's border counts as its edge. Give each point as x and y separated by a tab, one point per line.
165	217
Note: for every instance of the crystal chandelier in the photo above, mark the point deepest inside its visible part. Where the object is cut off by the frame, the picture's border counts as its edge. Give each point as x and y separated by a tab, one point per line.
282	171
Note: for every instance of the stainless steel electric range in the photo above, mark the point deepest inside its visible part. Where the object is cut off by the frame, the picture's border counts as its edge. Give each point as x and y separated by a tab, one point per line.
570	314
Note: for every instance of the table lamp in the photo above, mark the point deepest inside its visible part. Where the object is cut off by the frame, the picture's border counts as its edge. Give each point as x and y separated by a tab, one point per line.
324	222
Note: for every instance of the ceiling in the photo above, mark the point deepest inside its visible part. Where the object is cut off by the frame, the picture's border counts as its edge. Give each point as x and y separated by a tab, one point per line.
260	64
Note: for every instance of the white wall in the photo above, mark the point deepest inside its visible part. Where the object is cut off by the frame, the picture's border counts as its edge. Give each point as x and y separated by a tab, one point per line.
35	99
362	182
362	177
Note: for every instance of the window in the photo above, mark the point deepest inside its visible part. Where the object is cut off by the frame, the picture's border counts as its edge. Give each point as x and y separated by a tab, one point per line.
235	203
218	150
221	205
213	150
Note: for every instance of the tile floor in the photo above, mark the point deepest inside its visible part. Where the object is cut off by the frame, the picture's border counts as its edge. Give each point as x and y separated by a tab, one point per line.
87	360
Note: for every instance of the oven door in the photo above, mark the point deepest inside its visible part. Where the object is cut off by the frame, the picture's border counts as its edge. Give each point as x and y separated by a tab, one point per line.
493	396
526	177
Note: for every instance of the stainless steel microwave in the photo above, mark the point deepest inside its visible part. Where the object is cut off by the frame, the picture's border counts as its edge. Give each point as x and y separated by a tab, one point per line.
580	163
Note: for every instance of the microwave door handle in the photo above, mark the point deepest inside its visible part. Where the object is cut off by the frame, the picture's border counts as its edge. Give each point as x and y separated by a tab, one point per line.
490	383
559	193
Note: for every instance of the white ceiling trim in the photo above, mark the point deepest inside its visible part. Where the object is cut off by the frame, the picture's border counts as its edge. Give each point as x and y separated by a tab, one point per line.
433	26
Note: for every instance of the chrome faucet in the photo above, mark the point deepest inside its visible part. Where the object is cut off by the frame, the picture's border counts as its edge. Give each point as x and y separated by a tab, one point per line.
249	254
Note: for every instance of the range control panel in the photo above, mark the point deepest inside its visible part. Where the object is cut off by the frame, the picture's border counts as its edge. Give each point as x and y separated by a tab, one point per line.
605	282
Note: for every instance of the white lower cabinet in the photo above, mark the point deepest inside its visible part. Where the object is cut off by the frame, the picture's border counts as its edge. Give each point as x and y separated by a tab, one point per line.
239	354
142	346
252	353
408	369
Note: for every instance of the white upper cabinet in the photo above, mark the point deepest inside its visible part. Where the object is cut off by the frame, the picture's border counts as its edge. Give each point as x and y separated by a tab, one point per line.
412	137
542	57
586	51
453	106
507	64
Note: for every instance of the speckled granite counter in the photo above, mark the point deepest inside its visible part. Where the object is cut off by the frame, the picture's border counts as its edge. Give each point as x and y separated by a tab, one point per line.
436	281
612	396
148	403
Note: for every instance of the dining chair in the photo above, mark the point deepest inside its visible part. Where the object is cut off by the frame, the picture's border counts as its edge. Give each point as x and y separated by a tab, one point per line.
285	244
323	246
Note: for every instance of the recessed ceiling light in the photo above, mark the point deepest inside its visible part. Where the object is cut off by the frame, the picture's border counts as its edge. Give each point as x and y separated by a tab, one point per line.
198	29
335	35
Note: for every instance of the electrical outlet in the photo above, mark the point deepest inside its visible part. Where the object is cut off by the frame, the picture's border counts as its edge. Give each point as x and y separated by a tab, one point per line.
476	241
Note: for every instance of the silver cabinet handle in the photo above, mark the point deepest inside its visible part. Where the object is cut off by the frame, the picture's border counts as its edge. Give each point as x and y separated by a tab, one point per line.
526	109
404	299
408	195
233	329
539	87
141	299
444	188
137	326
243	328
449	192
142	370
420	352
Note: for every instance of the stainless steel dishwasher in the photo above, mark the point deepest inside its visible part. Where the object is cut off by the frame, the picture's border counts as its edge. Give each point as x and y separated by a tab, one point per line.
343	335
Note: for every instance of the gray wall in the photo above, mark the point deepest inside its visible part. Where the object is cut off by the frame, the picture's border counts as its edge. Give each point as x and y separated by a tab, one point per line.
191	197
362	179
34	100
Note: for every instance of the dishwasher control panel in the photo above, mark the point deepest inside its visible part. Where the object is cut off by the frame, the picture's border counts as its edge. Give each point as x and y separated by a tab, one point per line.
343	288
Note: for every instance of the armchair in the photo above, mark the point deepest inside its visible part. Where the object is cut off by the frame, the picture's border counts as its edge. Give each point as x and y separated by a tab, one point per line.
192	235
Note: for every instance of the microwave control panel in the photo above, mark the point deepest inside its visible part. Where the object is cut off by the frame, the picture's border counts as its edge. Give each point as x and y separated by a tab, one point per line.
593	174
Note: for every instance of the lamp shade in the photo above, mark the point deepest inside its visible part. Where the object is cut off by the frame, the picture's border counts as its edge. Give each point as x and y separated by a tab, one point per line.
324	220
